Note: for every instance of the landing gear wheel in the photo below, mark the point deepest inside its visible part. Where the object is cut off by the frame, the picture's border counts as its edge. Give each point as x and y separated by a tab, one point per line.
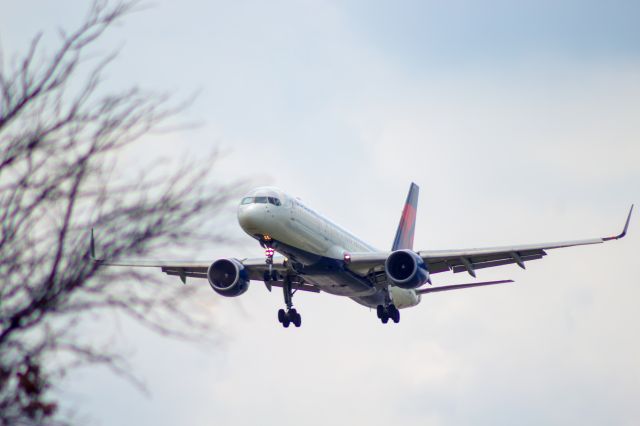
282	315
297	320
386	313
394	313
286	323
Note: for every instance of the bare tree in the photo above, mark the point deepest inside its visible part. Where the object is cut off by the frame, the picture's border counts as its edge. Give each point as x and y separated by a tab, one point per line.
58	140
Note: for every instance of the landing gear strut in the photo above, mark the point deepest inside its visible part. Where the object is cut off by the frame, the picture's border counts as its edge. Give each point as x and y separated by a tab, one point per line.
290	316
270	274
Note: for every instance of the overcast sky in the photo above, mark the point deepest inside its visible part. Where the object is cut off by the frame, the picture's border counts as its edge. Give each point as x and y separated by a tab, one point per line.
519	121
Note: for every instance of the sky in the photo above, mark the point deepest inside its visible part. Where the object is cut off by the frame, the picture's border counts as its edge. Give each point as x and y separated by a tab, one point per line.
519	121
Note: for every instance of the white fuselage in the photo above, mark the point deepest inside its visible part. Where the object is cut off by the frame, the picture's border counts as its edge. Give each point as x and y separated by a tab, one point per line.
310	239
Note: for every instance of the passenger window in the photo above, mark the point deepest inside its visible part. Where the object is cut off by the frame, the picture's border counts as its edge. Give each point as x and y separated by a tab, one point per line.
247	200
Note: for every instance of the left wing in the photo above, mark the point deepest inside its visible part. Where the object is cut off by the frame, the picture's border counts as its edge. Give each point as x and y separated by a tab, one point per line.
470	260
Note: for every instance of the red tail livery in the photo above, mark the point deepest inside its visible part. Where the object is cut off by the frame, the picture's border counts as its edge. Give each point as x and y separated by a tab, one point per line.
407	225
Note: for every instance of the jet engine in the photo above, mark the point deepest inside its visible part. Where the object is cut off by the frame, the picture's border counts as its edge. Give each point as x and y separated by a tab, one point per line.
228	277
406	269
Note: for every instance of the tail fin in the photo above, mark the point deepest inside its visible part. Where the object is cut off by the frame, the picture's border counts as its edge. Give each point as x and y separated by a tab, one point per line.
407	225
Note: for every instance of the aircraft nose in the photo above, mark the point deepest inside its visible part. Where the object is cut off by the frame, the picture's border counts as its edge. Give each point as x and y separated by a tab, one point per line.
251	218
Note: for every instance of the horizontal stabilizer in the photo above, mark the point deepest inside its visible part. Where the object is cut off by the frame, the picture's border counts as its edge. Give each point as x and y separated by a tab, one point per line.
460	286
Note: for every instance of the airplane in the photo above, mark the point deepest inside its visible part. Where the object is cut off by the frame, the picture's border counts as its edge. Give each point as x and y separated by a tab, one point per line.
316	255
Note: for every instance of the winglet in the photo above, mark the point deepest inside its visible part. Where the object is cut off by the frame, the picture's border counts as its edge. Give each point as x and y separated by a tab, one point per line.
92	247
624	231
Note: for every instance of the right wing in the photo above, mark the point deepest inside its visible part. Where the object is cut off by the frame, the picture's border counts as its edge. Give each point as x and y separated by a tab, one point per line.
198	269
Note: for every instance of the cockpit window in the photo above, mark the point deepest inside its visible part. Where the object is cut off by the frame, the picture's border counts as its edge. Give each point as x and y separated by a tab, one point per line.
261	200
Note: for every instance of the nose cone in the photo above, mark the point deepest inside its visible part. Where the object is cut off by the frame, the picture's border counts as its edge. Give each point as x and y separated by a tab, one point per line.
252	218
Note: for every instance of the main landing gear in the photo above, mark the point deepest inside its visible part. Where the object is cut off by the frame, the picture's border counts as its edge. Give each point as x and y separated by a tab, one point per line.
389	312
290	316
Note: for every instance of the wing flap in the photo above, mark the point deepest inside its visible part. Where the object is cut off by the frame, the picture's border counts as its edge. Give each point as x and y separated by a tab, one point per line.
254	275
184	273
297	286
492	263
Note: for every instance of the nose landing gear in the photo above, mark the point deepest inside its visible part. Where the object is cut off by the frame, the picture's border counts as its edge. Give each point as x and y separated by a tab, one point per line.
270	274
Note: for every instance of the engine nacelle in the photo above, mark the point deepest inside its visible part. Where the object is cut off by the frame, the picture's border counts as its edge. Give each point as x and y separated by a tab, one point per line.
406	269
228	277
